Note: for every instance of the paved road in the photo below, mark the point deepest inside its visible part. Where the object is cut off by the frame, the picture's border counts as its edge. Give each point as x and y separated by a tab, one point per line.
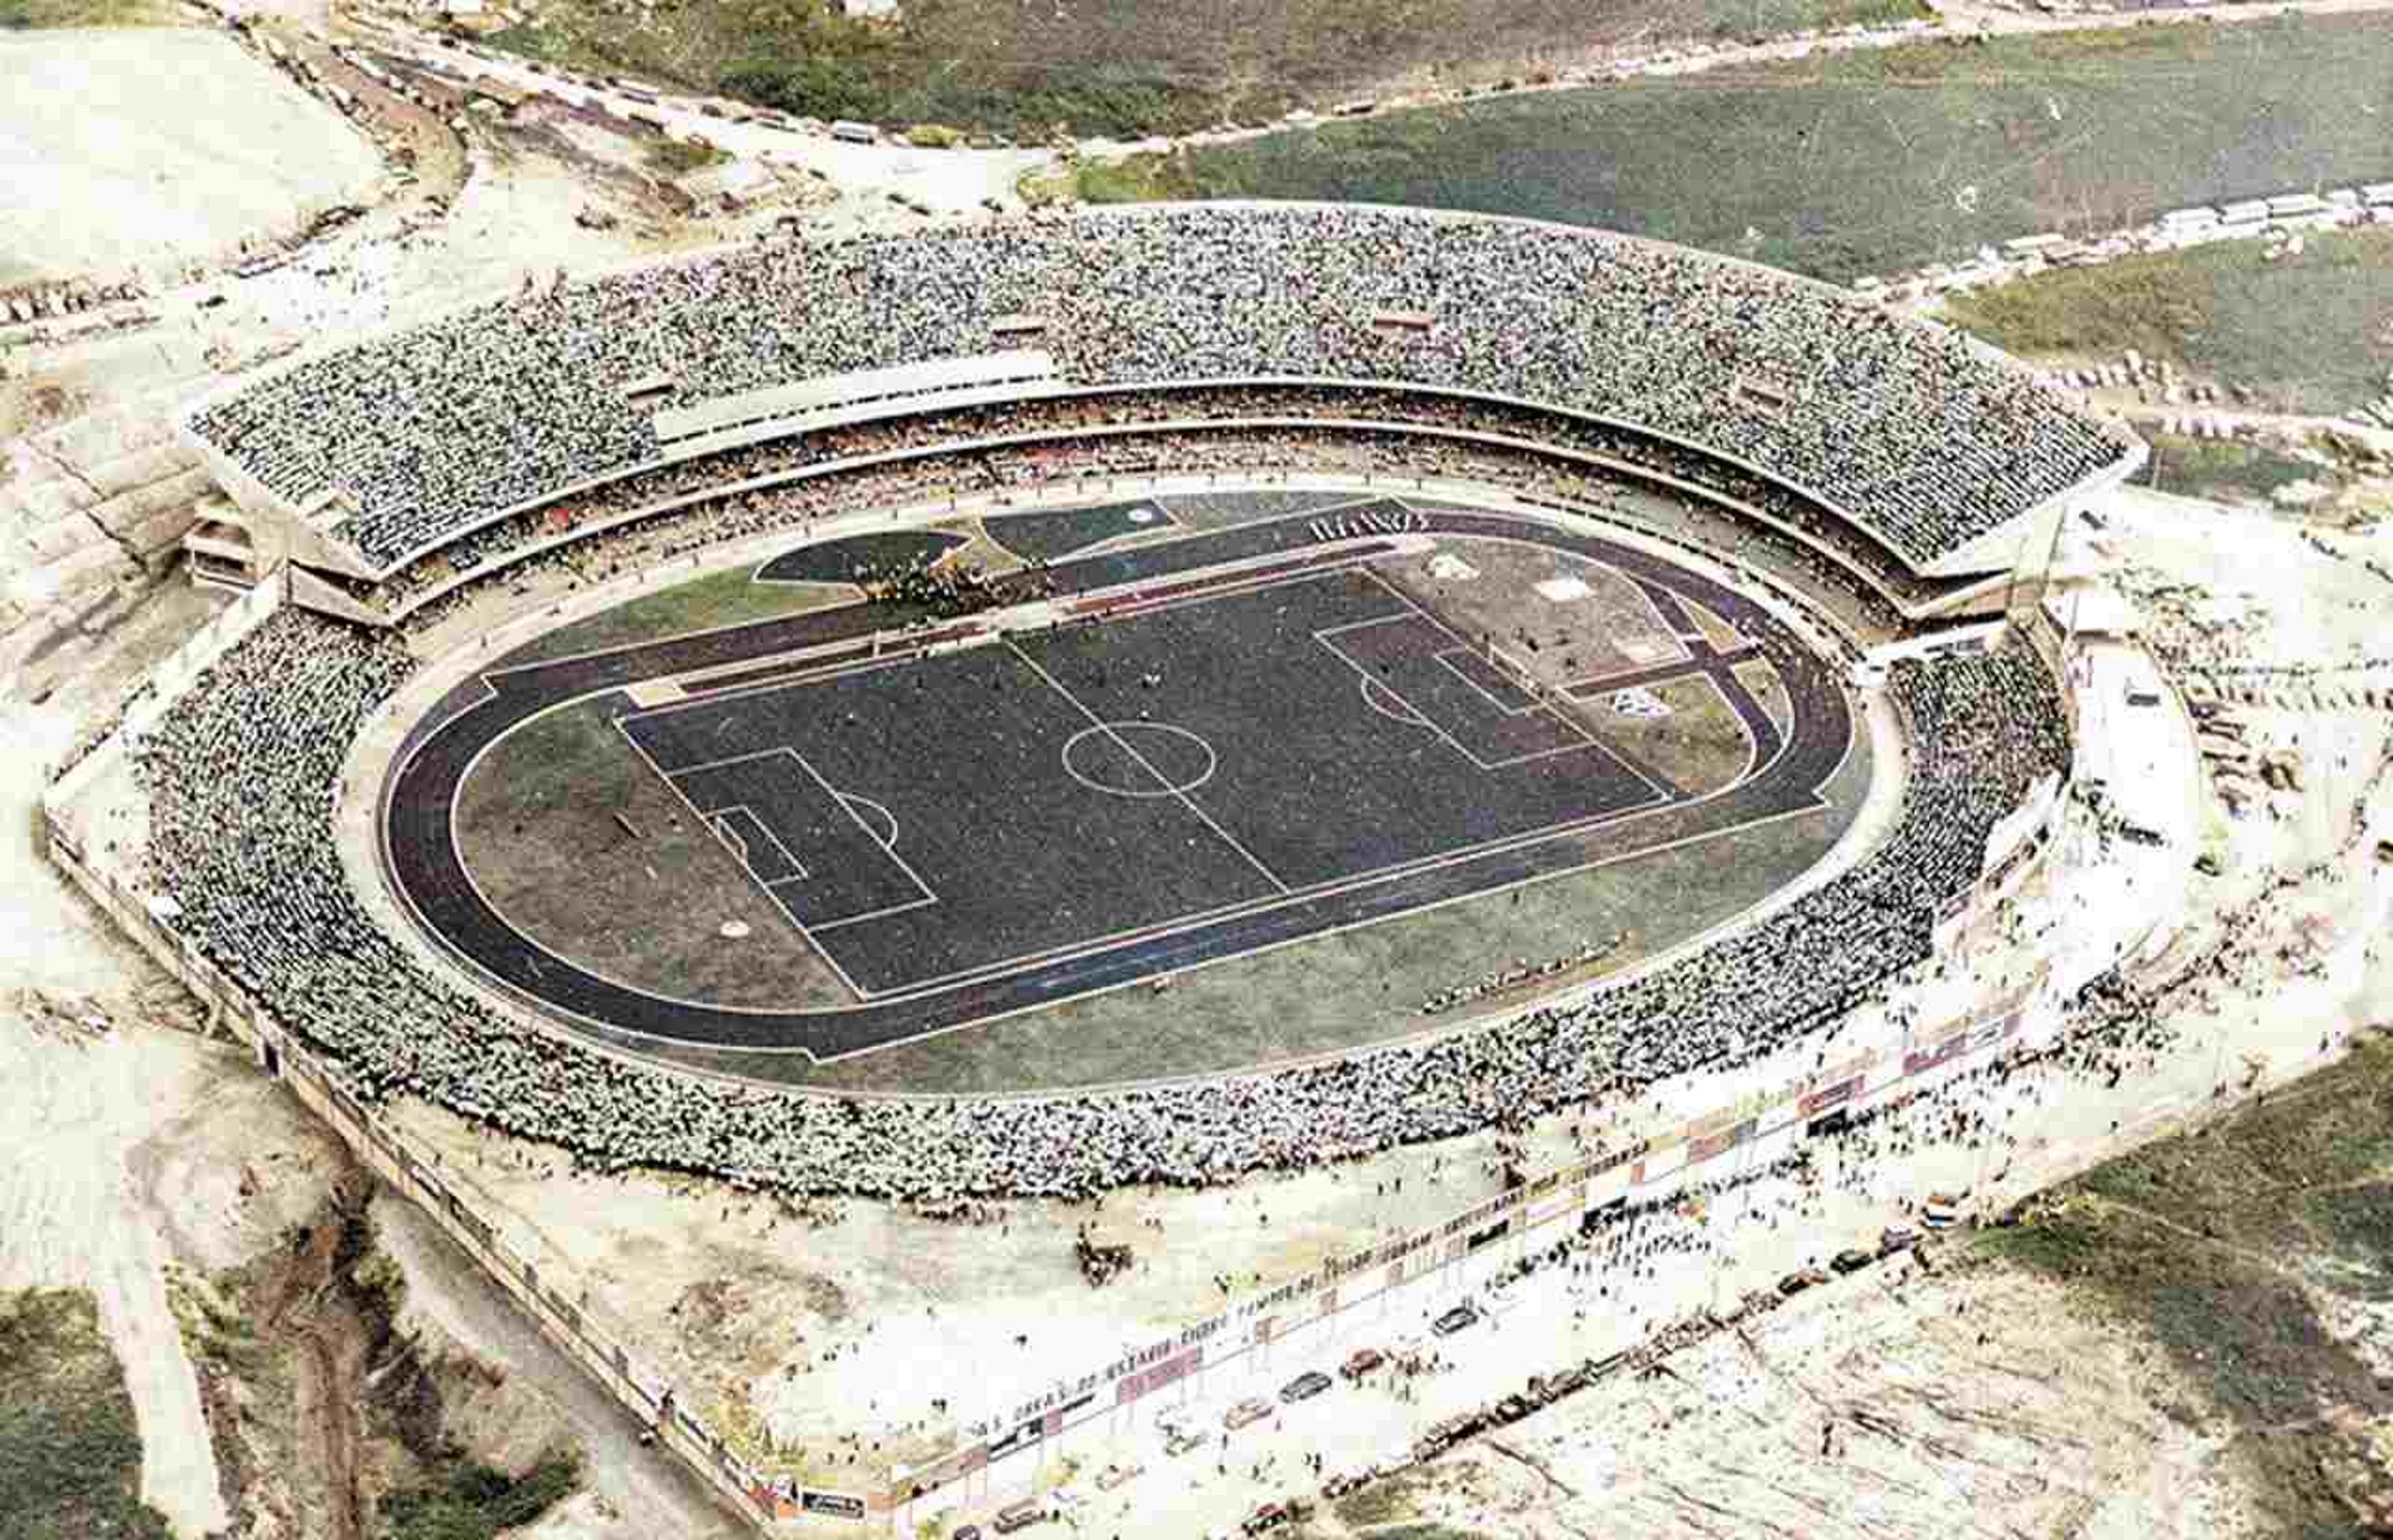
421	853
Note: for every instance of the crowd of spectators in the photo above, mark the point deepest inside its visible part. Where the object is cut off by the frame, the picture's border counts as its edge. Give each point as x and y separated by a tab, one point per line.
1905	428
242	773
691	503
1237	451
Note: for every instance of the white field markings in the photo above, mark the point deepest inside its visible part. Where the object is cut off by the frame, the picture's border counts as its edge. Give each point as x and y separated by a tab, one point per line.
1069	952
888	841
1587	743
1230	582
846	804
1142	762
519	934
1107	545
1332	524
1711	679
819	949
799	677
796	655
696	631
1717	659
1391	872
724	818
1531	704
1334	887
1212	760
1389	704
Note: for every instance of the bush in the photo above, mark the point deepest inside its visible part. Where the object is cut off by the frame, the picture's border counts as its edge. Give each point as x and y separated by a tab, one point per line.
475	1502
680	157
819	86
933	135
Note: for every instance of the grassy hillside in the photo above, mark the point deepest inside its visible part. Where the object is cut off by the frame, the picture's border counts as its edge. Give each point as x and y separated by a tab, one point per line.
25	14
1123	67
1868	161
2235	1248
2313	332
69	1453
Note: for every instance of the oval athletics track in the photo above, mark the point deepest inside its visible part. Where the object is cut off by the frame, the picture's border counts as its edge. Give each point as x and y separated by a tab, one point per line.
429	874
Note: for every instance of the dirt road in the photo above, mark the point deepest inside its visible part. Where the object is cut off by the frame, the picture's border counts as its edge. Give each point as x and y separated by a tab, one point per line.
642	1494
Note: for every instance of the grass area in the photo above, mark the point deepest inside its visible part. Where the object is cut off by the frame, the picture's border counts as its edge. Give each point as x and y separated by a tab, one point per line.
1873	161
723	598
472	1501
2218	1243
2313	332
680	157
2224	471
1125	68
29	15
70	1453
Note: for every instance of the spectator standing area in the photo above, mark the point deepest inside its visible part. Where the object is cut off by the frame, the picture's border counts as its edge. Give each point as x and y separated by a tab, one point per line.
1178	752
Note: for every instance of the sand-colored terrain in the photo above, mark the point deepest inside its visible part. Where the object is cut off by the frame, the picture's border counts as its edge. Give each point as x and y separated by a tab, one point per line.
135	152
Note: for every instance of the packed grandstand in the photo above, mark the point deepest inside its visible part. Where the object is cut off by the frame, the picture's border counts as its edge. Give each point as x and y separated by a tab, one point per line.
1918	437
242	772
1886	444
673	509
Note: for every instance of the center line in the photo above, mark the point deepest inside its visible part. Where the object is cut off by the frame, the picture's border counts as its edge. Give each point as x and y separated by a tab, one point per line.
1160	780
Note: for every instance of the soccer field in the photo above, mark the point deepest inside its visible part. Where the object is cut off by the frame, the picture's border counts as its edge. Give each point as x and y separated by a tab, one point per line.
811	837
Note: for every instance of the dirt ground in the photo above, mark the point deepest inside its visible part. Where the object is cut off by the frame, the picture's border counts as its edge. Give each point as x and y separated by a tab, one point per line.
812	1332
751	1303
137	151
168	1177
1990	1404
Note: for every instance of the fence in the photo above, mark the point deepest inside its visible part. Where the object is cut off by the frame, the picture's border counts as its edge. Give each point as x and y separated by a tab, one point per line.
416	1170
1760	1126
165	684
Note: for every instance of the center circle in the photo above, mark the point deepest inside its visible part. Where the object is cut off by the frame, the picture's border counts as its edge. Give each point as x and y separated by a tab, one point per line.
1138	759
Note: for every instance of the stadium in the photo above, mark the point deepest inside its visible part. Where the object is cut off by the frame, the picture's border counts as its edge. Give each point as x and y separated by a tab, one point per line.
1164	696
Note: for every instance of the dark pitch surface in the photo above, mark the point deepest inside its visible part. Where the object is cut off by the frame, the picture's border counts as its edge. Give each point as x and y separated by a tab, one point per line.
1052	534
835	561
1072	785
1305	809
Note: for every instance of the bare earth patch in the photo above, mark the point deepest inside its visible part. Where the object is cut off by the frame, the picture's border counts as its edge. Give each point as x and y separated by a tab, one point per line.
140	150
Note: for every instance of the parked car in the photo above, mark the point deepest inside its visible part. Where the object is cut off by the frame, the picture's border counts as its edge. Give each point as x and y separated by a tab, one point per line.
1553	1387
1796	1282
969	1532
1305	1386
1271	1516
1021	1515
1455	1320
1896	1237
1253	1409
1941	1211
1362	1361
1852	1259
